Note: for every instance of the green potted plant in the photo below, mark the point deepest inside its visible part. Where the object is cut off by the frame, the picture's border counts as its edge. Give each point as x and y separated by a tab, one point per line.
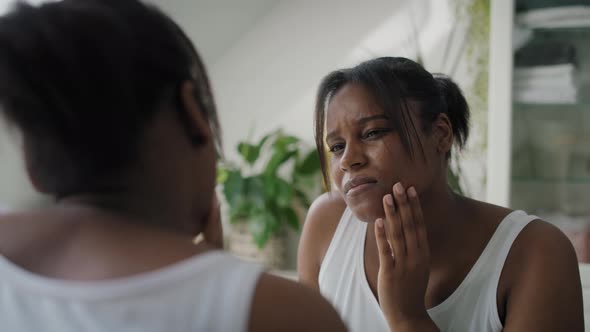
274	179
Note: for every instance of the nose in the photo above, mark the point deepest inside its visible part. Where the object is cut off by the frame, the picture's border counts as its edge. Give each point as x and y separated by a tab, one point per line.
353	157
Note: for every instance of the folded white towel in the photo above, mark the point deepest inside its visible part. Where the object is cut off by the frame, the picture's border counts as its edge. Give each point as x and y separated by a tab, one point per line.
549	71
524	86
541	16
540	96
564	23
565	82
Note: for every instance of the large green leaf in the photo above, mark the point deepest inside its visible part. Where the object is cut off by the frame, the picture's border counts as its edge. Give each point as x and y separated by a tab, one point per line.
270	186
290	217
241	209
302	197
249	152
283	193
259	227
274	220
222	175
255	191
278	159
233	187
309	165
283	142
263	140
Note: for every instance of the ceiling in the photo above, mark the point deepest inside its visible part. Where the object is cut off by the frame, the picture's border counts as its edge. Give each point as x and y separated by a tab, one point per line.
215	25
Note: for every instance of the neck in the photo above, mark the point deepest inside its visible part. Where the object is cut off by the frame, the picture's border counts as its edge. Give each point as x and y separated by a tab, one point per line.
147	204
443	211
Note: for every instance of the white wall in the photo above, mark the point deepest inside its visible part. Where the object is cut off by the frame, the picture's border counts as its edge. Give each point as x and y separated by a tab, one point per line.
267	78
15	189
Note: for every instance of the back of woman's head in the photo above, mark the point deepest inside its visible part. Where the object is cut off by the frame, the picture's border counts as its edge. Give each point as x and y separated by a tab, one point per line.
396	83
83	78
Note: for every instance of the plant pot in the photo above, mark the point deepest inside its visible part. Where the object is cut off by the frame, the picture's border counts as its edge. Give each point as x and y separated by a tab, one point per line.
273	255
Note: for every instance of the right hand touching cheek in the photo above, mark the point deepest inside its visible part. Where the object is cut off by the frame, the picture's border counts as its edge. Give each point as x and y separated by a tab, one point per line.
403	262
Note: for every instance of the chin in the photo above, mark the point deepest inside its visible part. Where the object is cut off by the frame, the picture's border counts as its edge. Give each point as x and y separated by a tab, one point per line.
367	212
368	206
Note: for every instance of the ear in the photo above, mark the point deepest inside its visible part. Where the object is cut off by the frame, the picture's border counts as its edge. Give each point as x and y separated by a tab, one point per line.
196	120
443	134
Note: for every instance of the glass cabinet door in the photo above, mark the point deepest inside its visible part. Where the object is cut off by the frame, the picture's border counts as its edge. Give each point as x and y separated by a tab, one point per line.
550	151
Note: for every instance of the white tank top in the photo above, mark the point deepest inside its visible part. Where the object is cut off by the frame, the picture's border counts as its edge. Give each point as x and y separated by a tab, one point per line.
208	292
472	307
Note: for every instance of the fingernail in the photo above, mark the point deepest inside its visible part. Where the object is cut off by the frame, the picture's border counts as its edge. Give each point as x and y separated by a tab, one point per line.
389	200
398	188
412	192
379	223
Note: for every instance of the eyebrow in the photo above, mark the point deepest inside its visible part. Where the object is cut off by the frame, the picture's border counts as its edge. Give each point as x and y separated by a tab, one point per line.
372	118
362	121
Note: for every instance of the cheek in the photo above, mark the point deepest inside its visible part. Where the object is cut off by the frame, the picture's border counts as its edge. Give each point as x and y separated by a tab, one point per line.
336	175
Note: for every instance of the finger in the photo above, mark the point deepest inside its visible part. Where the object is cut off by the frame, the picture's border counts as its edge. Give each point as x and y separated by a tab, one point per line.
386	258
393	229
407	219
421	232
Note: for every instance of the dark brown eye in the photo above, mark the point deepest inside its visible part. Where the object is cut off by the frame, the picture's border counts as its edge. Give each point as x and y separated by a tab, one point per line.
336	148
374	133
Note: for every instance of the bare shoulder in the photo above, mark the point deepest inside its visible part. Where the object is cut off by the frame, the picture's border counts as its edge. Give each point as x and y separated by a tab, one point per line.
25	231
544	278
542	245
323	216
13	230
320	224
283	305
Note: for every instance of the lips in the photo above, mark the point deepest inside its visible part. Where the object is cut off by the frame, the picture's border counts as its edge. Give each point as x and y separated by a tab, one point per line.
358	181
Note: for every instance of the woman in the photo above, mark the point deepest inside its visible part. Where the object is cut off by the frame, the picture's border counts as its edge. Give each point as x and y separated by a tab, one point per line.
393	247
119	126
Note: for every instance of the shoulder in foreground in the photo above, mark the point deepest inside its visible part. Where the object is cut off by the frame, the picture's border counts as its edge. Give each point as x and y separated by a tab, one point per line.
541	242
545	292
282	305
9	230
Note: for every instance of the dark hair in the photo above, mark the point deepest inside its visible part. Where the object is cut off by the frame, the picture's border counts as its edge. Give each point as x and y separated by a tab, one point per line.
82	79
395	81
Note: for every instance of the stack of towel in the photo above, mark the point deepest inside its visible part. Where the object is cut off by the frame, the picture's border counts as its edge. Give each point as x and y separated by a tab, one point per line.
545	70
545	74
555	17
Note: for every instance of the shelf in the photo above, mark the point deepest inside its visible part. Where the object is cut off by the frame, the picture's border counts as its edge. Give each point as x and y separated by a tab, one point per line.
547	180
578	104
581	107
580	30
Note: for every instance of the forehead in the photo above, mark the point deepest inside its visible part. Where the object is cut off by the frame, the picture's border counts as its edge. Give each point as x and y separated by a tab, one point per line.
350	104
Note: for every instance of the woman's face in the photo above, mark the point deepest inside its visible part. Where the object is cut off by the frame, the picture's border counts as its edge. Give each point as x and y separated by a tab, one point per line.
367	156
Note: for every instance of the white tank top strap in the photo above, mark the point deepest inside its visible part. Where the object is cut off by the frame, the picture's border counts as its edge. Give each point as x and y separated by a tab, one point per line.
502	241
346	234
